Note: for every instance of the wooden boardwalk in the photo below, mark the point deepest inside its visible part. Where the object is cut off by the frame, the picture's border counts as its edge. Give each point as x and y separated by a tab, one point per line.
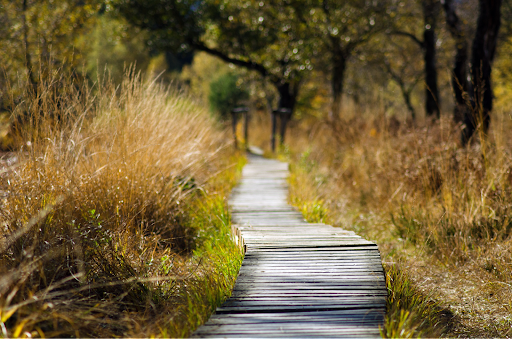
298	279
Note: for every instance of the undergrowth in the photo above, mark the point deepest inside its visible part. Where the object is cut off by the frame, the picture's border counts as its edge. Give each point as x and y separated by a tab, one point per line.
438	211
113	220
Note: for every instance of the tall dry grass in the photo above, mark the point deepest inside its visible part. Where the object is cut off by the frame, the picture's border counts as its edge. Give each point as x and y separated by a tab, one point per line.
97	216
439	211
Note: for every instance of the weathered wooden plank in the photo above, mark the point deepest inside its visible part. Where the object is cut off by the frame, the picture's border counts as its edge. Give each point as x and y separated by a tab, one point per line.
326	250
288	335
270	273
298	233
330	261
290	300
332	322
314	265
286	327
340	271
296	308
340	316
344	285
314	259
309	280
264	335
323	242
314	241
294	259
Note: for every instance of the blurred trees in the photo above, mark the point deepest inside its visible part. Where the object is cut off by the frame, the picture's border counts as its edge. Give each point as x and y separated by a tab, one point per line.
335	29
226	92
38	35
263	36
408	15
471	80
114	45
482	56
291	43
460	68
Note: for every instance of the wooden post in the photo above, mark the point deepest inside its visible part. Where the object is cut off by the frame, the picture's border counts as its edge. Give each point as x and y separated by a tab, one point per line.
283	114
273	137
246	130
234	115
234	118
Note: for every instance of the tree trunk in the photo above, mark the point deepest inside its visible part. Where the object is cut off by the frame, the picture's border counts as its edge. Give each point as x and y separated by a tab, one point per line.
28	61
482	55
430	8
288	93
460	68
339	65
407	98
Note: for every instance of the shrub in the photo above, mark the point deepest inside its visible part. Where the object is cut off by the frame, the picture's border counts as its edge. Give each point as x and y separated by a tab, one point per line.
226	94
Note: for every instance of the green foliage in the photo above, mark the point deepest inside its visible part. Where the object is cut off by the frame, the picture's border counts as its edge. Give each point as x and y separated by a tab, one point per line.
36	35
410	313
407	227
226	92
113	45
261	36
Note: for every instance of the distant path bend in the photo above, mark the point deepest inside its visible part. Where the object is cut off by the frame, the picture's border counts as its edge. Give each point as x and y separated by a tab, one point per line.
298	279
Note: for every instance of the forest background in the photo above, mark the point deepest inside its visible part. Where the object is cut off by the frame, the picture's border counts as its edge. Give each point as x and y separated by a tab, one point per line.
399	118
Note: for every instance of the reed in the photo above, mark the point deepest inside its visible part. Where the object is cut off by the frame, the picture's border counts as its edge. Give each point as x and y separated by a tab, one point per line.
97	237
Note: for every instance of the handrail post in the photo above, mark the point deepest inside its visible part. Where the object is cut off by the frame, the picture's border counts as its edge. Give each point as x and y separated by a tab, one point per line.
235	113
283	114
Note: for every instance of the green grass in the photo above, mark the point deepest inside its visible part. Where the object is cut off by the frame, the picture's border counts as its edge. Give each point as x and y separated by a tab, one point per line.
218	253
409	312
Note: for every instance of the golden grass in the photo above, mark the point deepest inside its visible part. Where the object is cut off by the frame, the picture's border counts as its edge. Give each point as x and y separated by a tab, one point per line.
98	222
439	212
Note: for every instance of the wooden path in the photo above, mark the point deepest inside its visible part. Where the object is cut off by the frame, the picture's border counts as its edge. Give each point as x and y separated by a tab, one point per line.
298	279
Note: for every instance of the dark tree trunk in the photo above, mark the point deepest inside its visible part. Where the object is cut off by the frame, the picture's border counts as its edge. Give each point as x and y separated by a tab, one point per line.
460	68
339	65
430	9
482	55
406	90
288	93
407	99
28	62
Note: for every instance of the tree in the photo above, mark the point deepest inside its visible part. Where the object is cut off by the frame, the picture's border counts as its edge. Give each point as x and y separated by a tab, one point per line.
392	60
335	30
49	33
430	13
430	10
225	94
401	67
460	68
260	36
115	45
482	56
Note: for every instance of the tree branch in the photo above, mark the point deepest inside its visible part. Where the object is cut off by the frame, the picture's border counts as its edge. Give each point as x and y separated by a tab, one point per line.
247	64
411	36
